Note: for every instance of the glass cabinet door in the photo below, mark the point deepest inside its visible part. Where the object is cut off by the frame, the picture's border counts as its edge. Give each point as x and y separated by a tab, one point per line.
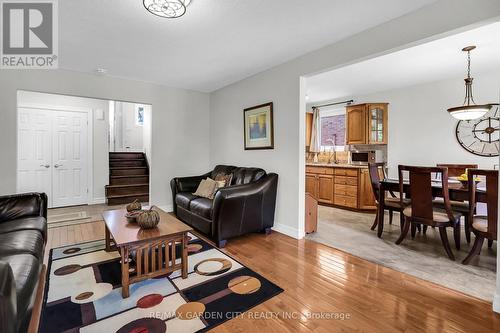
377	116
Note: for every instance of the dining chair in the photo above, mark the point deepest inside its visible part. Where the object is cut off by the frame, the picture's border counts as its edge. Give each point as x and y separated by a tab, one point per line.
422	210
392	203
455	170
483	227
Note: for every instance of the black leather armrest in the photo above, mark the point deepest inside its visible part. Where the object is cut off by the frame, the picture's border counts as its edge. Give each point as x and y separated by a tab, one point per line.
8	302
23	205
185	184
188	184
244	208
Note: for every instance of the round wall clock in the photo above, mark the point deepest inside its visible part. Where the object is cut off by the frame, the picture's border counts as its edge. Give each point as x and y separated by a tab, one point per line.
480	136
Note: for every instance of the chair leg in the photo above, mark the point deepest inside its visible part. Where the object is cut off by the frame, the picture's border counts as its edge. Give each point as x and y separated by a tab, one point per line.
446	244
375	222
476	249
413	230
401	220
390	216
404	232
424	229
490	243
467	228
456	235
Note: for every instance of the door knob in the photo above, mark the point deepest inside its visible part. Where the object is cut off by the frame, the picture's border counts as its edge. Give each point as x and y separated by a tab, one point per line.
57	165
45	165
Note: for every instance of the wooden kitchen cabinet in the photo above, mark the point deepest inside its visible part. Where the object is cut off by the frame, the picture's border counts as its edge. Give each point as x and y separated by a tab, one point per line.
311	214
320	186
325	188
311	183
309	121
340	186
356	124
366	197
346	187
377	123
366	123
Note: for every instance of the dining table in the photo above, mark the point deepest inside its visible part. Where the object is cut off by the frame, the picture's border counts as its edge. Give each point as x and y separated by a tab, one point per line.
457	191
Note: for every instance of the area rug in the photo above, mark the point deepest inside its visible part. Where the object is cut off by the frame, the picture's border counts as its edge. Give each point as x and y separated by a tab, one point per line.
83	292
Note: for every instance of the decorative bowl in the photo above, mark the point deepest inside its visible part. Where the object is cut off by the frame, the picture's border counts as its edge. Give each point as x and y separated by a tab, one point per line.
465	182
132	216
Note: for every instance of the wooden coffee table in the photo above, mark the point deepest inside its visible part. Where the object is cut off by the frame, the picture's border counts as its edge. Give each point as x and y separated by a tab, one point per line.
154	248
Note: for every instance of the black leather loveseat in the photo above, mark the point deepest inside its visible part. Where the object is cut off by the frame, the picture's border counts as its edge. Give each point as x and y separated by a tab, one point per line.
23	234
247	205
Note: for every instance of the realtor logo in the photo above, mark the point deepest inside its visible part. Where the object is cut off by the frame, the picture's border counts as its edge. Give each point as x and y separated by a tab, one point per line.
29	34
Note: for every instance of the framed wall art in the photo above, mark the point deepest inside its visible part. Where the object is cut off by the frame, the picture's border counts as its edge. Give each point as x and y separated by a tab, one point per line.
259	128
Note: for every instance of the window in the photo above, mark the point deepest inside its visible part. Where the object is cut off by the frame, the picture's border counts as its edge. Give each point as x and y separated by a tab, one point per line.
332	129
139	115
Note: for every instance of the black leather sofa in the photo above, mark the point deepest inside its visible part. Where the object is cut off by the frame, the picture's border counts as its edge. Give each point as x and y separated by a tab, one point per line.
246	206
23	235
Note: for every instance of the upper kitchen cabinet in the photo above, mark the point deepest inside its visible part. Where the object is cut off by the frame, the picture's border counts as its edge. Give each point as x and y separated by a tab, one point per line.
356	124
377	123
366	123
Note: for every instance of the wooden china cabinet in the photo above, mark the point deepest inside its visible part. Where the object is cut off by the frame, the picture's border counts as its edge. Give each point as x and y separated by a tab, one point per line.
366	123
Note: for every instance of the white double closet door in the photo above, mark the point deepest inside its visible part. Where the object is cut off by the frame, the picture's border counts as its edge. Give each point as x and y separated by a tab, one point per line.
53	156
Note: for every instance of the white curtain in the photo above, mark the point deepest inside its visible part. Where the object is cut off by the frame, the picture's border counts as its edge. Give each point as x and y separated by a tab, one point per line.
315	141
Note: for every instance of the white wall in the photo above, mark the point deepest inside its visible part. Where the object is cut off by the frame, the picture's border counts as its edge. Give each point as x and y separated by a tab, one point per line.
421	132
99	131
282	85
128	135
146	132
179	121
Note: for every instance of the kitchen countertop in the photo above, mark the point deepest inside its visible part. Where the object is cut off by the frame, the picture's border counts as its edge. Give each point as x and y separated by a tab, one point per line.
331	165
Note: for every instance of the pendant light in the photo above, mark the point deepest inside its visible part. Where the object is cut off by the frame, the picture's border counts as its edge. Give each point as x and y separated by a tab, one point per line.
469	110
167	8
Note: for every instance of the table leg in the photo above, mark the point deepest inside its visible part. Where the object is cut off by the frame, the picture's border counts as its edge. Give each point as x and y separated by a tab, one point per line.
380	211
184	256
125	272
107	236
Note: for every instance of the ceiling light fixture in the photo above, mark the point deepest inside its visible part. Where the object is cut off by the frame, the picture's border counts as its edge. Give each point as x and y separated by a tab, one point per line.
167	8
469	110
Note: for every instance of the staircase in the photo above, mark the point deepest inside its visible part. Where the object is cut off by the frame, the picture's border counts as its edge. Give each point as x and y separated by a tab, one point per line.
128	178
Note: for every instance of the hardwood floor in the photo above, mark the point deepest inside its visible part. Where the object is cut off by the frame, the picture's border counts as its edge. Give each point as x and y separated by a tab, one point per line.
73	234
320	280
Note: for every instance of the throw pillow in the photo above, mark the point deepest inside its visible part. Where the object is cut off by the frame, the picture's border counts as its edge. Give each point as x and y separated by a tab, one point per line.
206	189
220	183
221	177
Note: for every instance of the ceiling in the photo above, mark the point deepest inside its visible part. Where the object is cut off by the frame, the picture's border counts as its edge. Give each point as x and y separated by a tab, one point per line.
433	61
216	43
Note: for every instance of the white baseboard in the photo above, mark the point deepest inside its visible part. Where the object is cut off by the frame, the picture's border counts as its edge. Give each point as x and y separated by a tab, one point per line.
496	303
287	230
97	201
166	208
